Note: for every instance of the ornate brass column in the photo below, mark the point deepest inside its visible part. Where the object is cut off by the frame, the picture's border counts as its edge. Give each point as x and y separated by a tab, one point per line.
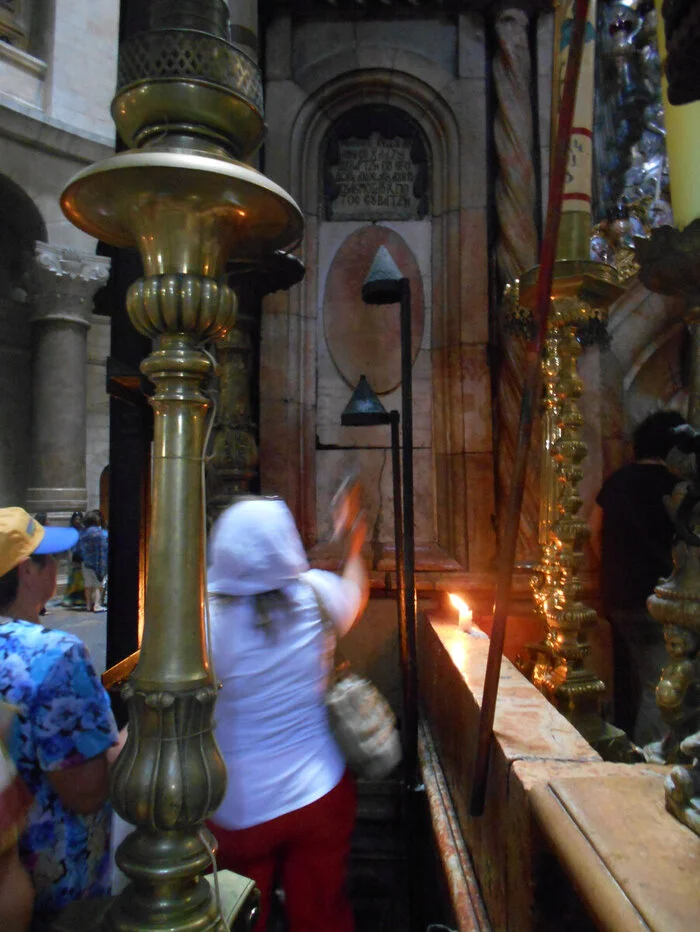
670	264
234	457
582	290
189	103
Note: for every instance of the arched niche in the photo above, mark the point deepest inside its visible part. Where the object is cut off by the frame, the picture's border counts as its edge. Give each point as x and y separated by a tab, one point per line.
455	280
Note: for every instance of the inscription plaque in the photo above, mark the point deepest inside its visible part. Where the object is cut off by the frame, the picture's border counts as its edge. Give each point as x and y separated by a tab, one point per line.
374	179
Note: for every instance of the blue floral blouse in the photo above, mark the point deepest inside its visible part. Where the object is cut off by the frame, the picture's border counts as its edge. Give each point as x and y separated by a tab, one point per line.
65	719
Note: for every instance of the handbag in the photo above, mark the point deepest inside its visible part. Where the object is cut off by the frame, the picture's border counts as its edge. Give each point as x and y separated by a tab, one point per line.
361	720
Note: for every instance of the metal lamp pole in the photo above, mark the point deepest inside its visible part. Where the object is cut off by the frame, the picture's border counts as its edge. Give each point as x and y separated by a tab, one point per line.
386	285
366	410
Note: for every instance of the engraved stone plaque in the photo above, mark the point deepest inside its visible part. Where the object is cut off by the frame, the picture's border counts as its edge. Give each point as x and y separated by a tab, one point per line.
374	179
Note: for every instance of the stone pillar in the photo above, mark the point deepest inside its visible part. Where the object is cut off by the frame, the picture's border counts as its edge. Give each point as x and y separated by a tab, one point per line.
63	284
516	251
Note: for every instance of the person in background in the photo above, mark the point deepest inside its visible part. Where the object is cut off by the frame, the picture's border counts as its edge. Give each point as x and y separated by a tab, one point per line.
66	736
16	890
92	551
289	808
74	596
636	538
42	518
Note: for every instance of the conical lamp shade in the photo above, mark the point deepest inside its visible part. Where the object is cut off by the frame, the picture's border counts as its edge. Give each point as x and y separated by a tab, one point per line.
364	408
383	282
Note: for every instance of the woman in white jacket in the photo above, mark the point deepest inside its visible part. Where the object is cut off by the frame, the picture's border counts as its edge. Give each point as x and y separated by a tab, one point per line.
290	803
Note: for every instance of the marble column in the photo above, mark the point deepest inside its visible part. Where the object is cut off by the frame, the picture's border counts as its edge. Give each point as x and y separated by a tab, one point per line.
516	251
63	283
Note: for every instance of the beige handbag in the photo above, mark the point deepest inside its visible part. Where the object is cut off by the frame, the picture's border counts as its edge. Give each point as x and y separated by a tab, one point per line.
361	719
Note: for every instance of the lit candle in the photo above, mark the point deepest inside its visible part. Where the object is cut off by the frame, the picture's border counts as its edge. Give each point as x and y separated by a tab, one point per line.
682	145
465	612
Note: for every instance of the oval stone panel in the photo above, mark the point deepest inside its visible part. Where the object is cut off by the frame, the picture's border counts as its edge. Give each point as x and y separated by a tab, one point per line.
364	339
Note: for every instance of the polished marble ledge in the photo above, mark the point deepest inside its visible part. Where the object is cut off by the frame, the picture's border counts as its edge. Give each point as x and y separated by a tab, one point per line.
633	864
526	726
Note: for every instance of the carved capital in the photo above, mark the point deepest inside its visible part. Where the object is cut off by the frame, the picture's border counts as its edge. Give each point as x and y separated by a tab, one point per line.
63	283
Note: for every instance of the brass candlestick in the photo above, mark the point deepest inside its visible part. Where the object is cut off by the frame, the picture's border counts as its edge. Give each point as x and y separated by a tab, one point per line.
582	290
670	264
190	104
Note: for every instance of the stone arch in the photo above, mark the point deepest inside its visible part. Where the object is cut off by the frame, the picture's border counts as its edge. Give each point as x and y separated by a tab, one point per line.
642	367
459	315
21	225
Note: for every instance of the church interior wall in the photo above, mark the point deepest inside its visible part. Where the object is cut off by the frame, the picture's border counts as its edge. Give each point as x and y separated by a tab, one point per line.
434	71
55	90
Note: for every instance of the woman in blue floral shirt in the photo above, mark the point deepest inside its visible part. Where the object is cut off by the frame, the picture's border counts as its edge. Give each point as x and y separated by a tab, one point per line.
65	728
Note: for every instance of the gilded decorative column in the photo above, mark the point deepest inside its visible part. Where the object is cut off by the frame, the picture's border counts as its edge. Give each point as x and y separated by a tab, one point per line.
581	292
189	104
233	461
670	261
63	283
234	455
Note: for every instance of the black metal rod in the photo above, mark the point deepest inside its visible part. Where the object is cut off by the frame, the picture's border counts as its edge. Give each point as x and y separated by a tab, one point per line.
409	587
404	655
530	400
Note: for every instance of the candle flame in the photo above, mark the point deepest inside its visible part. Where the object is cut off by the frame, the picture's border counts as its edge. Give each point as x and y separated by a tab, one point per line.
459	603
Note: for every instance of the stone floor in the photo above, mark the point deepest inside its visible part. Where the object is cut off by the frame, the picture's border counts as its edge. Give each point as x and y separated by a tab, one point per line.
90	627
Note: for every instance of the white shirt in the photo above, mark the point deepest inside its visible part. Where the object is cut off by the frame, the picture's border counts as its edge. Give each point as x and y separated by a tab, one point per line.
271	723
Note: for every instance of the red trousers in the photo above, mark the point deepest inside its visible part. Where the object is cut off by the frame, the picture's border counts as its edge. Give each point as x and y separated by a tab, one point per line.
307	851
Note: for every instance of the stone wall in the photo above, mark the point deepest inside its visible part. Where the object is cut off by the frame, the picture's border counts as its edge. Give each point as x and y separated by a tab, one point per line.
433	71
54	120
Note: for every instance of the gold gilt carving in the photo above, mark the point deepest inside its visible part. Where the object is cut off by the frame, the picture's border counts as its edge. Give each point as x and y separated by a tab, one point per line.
563	676
234	457
557	666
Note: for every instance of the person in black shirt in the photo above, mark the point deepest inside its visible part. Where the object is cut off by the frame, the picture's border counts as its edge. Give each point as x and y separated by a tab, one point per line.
637	533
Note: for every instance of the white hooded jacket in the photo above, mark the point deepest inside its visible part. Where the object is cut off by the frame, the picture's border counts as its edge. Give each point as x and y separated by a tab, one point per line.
271	722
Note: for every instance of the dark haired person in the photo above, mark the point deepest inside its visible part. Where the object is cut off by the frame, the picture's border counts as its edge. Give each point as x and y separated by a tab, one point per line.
92	550
637	533
65	728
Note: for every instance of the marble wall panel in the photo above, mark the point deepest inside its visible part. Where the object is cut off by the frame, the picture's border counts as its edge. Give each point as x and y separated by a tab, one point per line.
313	41
287	464
374	469
283	101
430	38
466	99
334	394
474	276
481	512
471	46
278	49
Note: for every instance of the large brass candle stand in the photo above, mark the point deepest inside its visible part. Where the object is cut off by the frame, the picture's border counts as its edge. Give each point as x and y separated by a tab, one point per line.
185	201
582	291
670	264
